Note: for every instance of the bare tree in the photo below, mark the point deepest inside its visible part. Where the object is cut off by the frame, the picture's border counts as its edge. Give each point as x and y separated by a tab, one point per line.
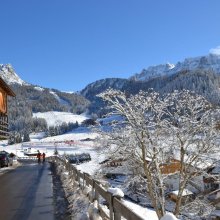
153	129
139	137
192	127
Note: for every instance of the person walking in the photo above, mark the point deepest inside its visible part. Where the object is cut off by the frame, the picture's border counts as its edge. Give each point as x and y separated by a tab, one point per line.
44	155
38	156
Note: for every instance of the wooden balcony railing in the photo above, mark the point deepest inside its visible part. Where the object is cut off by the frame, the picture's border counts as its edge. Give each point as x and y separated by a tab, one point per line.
4	134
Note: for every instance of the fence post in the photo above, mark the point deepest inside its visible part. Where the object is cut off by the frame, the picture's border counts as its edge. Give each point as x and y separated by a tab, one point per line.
78	177
83	180
96	193
111	207
117	214
93	190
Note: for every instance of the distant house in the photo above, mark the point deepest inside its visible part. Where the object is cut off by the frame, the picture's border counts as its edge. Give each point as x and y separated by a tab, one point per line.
187	195
5	91
115	163
171	167
212	182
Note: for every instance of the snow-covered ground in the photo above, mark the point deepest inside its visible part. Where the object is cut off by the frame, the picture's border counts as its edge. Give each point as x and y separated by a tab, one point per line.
75	142
80	140
54	118
39	88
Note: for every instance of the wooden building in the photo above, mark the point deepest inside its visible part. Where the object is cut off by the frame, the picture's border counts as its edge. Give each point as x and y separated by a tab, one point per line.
212	182
171	167
5	91
186	196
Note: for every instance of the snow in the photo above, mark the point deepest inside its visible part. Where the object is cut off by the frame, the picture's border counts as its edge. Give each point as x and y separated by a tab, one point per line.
76	135
69	143
93	211
185	192
54	118
8	74
37	136
145	213
215	51
154	71
61	101
39	88
110	119
70	92
79	203
211	61
116	192
168	216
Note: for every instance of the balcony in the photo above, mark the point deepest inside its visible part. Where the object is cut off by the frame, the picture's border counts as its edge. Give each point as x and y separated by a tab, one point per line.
4	134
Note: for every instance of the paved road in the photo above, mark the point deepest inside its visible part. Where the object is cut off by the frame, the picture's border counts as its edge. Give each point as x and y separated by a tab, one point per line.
26	193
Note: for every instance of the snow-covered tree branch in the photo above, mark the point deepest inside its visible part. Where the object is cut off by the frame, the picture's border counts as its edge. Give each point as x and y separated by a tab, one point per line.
155	130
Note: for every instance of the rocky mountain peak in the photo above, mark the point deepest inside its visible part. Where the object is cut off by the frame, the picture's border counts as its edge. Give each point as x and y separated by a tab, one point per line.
9	75
209	62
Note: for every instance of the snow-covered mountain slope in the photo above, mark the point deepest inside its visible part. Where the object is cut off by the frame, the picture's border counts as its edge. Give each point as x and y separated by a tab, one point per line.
60	100
9	75
209	62
54	118
154	72
98	86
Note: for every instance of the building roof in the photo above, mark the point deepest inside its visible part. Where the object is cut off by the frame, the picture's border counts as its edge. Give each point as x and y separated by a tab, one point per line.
186	192
7	89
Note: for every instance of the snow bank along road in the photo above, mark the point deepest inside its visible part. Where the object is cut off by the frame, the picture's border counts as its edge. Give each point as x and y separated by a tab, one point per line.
26	193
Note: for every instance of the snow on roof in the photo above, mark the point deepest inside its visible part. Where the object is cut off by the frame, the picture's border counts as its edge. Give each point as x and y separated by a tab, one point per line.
186	192
109	119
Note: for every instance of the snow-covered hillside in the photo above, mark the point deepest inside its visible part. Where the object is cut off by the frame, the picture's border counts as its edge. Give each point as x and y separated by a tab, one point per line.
153	72
61	101
9	75
54	118
209	62
99	85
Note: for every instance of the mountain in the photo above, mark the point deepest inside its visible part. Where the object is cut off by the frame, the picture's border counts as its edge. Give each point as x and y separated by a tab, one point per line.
209	62
199	74
9	75
32	99
154	72
42	99
98	86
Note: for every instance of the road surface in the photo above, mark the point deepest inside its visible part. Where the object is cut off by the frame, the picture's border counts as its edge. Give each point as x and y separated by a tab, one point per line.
26	193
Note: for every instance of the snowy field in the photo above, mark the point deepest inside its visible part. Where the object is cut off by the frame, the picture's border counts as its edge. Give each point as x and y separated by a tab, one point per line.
69	143
54	118
80	140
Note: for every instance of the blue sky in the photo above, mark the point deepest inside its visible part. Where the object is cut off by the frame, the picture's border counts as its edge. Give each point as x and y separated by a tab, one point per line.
66	44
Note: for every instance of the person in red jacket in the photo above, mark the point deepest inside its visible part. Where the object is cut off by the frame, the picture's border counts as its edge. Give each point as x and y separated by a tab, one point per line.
44	155
38	156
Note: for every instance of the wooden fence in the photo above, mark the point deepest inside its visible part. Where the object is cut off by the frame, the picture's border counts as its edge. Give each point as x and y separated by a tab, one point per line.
27	158
116	207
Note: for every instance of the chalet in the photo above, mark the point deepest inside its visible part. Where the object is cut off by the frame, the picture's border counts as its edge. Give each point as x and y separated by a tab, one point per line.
186	196
212	182
171	167
115	163
5	91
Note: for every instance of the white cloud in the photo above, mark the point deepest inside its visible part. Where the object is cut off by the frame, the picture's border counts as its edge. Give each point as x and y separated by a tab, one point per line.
215	51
